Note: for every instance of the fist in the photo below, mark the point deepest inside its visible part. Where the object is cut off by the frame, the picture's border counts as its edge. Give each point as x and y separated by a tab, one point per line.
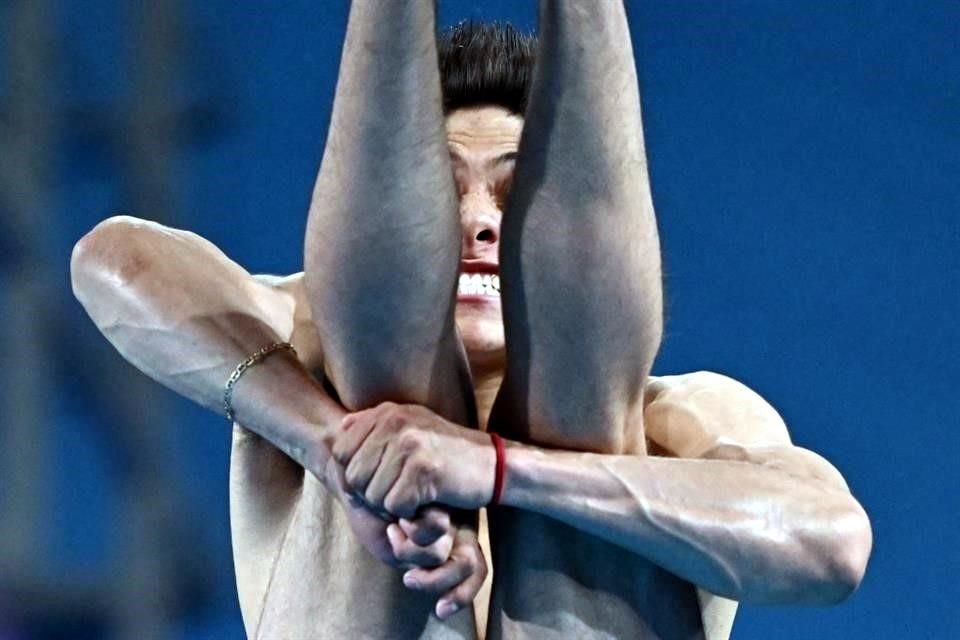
398	458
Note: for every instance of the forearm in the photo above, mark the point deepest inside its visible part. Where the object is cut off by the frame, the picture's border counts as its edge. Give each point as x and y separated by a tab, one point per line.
383	239
736	529
180	311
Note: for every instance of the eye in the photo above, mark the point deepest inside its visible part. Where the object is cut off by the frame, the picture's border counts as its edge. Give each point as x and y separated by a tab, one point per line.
460	179
502	186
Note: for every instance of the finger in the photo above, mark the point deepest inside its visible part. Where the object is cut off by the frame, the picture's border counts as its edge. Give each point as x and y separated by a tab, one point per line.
427	526
460	596
411	555
440	579
409	492
387	478
354	429
467	552
365	462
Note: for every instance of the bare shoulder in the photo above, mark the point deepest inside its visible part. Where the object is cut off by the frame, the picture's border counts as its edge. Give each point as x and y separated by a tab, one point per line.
710	415
688	416
691	413
303	335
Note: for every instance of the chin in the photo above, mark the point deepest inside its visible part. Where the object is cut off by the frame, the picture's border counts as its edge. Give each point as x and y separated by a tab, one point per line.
483	341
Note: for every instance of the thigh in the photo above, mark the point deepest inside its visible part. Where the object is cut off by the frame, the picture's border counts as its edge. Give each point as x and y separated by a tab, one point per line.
357	596
571	386
554	581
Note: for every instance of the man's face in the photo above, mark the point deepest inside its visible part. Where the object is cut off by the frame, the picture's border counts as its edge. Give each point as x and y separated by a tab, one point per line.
483	144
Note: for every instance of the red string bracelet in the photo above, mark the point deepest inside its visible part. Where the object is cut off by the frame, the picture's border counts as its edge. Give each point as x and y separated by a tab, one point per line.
501	469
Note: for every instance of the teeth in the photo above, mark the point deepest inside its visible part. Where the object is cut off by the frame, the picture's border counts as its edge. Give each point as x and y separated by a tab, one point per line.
472	284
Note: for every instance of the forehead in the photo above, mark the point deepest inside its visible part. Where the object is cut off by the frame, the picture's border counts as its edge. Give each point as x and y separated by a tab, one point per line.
484	128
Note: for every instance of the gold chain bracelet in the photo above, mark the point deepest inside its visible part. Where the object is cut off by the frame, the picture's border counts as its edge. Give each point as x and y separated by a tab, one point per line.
255	358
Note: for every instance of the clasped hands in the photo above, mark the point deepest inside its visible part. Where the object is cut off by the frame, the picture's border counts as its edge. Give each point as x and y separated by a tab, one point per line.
395	464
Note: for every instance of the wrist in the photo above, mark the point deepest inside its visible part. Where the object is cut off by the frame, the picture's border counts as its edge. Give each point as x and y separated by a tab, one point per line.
281	401
476	483
522	468
332	479
499	469
255	358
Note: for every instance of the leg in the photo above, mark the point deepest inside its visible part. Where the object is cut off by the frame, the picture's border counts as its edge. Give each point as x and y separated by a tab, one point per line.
580	268
382	246
383	237
579	252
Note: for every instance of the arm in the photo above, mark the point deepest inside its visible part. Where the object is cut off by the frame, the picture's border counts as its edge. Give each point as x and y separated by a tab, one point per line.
180	311
752	518
184	314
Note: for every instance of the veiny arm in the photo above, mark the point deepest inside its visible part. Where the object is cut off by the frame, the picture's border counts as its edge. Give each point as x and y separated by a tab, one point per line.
751	518
183	313
741	512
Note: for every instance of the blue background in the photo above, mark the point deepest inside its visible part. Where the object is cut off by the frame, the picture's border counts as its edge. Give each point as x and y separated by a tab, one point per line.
805	160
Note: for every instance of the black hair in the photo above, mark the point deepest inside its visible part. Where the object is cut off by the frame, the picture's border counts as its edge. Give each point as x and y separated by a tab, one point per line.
486	63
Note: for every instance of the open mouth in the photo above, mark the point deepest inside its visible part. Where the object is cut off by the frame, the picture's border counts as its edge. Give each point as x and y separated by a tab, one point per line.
478	284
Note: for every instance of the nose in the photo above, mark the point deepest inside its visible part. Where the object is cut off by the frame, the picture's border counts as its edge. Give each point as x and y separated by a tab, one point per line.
480	222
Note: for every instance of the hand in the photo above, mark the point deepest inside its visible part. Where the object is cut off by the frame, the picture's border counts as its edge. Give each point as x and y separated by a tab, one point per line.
401	457
458	579
428	545
439	558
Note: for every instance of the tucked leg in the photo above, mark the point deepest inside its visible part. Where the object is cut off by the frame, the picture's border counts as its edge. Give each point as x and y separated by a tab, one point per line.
382	250
582	302
580	257
383	236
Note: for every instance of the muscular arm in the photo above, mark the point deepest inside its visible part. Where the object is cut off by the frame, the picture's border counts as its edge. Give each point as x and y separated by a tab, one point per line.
183	313
741	513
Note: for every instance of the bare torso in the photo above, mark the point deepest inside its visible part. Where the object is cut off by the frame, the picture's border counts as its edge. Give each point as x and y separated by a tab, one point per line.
303	576
300	574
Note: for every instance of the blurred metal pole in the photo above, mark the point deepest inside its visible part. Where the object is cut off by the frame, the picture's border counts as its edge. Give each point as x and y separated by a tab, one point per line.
27	389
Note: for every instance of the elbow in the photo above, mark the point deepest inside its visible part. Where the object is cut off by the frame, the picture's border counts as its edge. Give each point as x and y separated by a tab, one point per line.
843	559
110	252
852	558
